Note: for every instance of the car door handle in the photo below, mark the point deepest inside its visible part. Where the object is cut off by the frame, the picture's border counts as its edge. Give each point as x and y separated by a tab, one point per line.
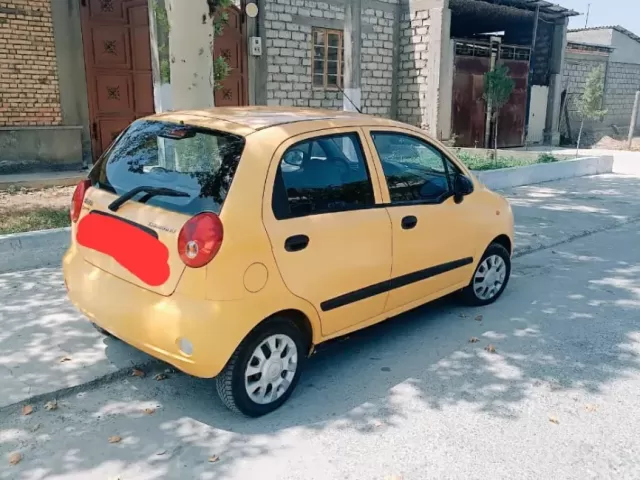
296	243
409	222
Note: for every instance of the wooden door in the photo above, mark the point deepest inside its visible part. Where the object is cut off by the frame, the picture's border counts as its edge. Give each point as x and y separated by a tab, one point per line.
117	53
231	46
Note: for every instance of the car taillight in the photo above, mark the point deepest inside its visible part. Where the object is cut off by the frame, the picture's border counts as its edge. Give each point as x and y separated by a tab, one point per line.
200	239
77	199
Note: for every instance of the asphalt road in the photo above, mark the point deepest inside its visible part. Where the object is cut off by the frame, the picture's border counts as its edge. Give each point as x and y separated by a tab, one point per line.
409	399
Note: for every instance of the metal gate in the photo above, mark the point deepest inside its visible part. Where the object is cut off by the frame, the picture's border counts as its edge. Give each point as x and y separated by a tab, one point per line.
472	60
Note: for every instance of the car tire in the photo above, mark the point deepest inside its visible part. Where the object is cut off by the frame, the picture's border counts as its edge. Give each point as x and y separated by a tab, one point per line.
251	394
101	330
496	261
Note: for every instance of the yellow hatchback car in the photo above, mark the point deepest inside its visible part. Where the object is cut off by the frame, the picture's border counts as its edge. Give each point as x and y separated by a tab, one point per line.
230	242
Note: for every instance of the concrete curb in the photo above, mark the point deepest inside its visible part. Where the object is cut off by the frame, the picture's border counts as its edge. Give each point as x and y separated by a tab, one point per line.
26	251
148	367
544	172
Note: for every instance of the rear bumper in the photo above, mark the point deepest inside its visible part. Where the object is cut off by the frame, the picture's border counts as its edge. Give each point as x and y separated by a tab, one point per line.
154	323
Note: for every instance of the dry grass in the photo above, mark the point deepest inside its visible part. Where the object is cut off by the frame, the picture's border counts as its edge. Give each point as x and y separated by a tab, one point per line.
23	210
609	143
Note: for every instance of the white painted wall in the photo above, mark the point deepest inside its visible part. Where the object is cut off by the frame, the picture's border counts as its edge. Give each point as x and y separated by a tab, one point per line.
537	113
627	50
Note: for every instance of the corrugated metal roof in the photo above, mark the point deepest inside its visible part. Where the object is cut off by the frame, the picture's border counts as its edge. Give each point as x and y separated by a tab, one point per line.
549	9
617	28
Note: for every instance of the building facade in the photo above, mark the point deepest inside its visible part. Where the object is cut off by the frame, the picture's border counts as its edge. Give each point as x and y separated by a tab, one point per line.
74	73
617	52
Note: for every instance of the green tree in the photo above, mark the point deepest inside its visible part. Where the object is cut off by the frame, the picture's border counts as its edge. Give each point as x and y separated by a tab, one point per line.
498	86
590	102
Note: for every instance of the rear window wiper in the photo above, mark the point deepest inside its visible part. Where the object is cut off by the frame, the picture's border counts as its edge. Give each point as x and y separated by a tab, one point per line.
150	192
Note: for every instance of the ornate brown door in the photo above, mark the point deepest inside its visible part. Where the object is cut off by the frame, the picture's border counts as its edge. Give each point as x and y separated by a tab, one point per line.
117	55
231	46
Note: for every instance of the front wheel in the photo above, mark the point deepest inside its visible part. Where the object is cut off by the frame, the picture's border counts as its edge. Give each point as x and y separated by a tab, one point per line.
490	277
264	370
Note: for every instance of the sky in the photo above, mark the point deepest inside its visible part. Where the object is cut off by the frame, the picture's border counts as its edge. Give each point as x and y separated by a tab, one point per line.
605	12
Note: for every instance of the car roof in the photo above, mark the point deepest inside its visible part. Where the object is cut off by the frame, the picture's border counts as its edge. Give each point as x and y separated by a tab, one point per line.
247	120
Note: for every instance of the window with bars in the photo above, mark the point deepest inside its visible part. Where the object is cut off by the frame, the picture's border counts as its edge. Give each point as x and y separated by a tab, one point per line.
328	54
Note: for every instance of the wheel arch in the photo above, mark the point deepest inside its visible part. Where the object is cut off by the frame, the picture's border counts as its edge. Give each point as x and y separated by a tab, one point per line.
503	240
298	317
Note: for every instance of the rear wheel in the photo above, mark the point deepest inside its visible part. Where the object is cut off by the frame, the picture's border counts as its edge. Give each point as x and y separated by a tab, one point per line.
264	370
490	277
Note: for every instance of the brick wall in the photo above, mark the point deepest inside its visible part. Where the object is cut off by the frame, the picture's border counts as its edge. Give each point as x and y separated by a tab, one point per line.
413	68
288	28
29	92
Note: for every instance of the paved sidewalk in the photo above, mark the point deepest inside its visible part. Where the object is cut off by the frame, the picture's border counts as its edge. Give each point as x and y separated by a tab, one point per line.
46	346
42	180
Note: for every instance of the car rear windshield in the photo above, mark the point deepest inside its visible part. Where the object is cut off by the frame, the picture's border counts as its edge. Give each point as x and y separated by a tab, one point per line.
198	162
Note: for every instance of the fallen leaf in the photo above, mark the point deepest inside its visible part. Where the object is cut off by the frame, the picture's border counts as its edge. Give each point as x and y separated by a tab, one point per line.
27	410
15	458
490	348
35	427
554	420
137	373
474	340
51	405
115	439
160	376
149	411
65	359
479	318
214	458
591	408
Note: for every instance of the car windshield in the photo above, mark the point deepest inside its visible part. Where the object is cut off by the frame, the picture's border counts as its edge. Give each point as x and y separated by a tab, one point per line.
196	161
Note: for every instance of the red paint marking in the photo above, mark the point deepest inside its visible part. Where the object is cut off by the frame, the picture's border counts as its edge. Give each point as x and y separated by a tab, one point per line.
136	250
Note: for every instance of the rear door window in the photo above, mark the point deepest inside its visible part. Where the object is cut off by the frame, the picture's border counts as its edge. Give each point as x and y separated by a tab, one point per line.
191	160
322	175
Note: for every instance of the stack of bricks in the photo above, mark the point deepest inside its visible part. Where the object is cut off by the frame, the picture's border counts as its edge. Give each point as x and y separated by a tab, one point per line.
29	94
414	68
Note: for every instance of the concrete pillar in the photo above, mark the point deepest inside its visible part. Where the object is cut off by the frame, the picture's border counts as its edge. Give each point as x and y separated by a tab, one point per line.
552	123
259	66
423	55
352	42
74	103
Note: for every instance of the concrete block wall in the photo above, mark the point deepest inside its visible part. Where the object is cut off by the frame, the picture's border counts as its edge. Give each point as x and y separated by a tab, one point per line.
413	67
377	59
29	91
621	82
289	49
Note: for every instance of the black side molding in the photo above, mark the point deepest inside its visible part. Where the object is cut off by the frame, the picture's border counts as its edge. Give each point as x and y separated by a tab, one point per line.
392	284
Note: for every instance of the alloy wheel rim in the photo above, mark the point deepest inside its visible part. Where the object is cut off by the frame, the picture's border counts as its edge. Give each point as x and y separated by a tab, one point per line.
489	277
271	369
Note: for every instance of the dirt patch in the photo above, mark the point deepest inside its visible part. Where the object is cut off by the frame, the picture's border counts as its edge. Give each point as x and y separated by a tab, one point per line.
610	143
27	210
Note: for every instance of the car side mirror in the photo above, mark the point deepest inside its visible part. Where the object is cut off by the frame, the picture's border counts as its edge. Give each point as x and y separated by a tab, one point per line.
462	186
